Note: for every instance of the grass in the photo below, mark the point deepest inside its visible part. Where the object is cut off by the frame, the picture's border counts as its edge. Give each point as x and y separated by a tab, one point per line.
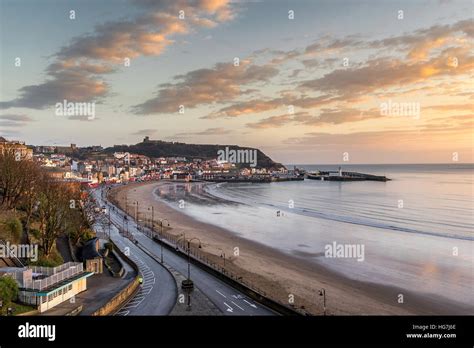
18	308
52	260
5	216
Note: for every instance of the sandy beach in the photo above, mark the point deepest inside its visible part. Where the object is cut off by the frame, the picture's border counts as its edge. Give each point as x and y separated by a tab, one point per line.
284	278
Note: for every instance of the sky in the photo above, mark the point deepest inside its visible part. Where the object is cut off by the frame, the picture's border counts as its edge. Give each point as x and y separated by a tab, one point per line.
305	81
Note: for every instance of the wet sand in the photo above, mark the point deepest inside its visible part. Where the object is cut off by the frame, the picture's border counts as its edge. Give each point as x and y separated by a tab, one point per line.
285	277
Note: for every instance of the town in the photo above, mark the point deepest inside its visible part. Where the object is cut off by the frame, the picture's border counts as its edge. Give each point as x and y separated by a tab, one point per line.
90	166
68	247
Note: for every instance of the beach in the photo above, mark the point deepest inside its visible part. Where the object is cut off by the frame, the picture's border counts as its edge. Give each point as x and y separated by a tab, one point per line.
286	278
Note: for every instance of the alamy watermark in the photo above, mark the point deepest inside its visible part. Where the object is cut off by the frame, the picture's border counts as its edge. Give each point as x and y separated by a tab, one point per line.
23	251
238	156
345	251
75	109
406	109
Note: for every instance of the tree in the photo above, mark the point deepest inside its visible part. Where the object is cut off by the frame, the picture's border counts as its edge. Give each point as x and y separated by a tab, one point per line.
56	199
30	199
8	289
81	218
15	177
15	227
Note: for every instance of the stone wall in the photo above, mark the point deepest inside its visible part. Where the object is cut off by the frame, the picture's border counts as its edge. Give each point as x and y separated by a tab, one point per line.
123	296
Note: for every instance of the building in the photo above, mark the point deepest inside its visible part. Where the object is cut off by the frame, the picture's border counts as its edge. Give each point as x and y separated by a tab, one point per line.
46	287
66	149
20	149
92	257
122	156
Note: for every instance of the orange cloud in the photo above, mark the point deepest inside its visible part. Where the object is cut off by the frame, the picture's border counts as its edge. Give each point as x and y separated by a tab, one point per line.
74	76
223	83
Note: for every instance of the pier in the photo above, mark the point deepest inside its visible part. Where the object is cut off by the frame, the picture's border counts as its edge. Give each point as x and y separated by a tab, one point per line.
345	176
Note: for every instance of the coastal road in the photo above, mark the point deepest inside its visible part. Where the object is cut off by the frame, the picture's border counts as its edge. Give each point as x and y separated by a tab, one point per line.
229	300
158	293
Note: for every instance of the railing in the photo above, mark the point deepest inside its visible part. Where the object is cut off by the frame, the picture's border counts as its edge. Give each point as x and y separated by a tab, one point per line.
201	257
52	270
59	274
13	257
172	241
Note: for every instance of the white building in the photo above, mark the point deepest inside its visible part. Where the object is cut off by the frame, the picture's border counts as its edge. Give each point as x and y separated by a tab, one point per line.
46	287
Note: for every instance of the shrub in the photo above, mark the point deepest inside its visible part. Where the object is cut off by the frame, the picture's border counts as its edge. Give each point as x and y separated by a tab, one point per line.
8	289
52	260
15	228
87	235
35	233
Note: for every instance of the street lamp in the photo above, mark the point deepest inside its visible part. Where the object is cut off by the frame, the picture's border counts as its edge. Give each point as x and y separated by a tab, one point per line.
161	226
153	232
152	220
189	249
123	224
136	211
189	255
110	223
180	236
322	292
222	254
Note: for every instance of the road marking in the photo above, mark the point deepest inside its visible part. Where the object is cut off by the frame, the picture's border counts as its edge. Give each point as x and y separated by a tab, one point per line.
229	308
250	304
237	305
220	293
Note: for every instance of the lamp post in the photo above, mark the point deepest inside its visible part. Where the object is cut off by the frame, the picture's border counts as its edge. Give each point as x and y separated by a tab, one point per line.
136	212
180	236
161	226
183	236
322	292
187	285
152	220
123	224
222	254
153	232
110	223
189	255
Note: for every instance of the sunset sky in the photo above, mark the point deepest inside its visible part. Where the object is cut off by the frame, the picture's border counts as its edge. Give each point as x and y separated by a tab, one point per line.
334	65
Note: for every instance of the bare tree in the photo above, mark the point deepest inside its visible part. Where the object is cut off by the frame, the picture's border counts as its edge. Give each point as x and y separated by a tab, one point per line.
30	199
15	177
81	218
55	202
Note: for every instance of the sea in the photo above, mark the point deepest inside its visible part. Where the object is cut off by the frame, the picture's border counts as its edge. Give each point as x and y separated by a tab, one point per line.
415	231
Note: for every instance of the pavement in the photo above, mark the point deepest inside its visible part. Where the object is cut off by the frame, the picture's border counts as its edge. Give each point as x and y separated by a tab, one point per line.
157	295
227	299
